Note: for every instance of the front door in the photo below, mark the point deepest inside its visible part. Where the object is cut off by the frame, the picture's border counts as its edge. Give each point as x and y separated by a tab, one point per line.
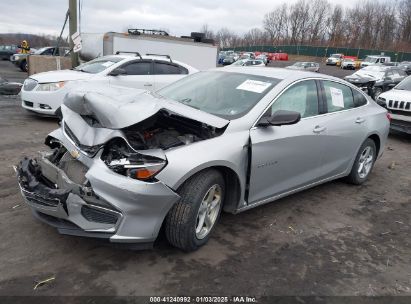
287	157
138	75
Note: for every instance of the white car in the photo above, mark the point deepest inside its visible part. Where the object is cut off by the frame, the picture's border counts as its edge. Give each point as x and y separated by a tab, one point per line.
398	103
43	93
334	59
248	62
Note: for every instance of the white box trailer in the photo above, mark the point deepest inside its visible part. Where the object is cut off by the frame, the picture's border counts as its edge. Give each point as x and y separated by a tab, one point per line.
202	56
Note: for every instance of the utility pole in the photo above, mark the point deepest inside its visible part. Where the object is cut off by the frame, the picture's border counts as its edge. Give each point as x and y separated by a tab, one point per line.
73	29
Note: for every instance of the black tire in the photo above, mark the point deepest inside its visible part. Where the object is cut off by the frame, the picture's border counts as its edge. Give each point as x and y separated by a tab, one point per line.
354	177
181	221
377	92
23	65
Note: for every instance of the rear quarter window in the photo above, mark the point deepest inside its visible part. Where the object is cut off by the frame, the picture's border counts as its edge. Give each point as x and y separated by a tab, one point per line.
359	99
168	69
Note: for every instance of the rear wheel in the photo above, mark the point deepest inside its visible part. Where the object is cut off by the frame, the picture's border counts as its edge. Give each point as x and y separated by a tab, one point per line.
23	66
190	222
364	162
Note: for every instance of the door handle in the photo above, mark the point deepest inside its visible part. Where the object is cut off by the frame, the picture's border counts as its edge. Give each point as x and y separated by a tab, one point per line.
319	129
148	84
359	120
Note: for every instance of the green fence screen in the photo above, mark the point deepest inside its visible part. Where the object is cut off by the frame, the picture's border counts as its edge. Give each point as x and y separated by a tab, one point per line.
323	51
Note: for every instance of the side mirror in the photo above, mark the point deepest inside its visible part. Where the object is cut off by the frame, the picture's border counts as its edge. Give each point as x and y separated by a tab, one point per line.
117	72
279	118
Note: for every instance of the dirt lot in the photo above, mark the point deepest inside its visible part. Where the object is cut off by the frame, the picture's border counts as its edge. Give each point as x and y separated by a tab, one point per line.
334	239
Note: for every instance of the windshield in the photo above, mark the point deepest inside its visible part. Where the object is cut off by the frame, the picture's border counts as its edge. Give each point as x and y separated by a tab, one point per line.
225	94
370	59
240	62
98	65
349	60
299	64
335	55
405	84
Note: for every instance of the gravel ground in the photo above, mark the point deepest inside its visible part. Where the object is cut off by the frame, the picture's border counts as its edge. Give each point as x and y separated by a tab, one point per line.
334	239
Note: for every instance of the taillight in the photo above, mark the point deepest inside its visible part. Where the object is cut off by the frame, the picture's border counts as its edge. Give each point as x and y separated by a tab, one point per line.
388	116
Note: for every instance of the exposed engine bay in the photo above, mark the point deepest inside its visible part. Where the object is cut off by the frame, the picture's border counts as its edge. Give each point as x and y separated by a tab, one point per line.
165	130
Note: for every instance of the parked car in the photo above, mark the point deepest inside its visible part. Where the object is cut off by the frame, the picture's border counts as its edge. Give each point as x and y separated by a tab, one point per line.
405	66
122	166
334	59
398	103
375	60
263	57
348	63
9	88
20	60
376	79
248	62
43	93
305	66
248	55
7	50
228	60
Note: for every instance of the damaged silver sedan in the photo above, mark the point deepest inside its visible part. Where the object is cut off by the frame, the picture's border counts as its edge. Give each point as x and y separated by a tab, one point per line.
125	164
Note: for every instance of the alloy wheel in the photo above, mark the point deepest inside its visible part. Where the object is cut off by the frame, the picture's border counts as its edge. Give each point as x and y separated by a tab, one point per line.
208	211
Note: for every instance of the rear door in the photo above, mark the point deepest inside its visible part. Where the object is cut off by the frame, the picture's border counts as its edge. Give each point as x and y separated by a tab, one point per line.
287	157
167	72
139	75
346	126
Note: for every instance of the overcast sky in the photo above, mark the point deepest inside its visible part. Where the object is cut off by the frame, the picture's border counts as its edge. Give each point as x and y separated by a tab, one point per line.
179	17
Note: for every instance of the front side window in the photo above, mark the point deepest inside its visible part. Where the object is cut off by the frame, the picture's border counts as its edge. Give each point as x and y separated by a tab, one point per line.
226	94
301	97
138	68
338	96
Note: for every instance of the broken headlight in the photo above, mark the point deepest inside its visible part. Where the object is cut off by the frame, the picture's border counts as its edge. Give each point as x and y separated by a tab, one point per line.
122	160
138	168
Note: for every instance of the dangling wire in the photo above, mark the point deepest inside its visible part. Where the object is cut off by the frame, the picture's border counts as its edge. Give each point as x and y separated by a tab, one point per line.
61	33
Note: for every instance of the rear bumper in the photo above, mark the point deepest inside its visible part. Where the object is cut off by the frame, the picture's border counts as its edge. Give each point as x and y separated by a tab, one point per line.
107	205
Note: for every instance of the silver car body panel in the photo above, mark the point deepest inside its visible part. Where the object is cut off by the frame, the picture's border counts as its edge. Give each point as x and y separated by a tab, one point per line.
283	159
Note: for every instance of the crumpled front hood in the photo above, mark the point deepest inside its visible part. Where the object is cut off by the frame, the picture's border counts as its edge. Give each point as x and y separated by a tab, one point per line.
118	108
360	78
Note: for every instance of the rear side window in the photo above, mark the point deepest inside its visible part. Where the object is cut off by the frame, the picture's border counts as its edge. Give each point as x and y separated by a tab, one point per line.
339	97
161	68
359	99
138	68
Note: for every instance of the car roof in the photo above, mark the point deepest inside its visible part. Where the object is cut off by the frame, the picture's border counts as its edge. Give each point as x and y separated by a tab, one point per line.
129	57
278	73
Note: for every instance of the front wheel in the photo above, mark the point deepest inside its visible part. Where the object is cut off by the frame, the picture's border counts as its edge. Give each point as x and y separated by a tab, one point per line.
190	222
363	164
377	92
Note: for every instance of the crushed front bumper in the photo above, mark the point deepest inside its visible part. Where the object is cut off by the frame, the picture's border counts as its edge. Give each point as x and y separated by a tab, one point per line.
105	205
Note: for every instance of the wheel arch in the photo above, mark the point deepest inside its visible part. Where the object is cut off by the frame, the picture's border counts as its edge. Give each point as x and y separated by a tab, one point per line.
375	137
233	188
